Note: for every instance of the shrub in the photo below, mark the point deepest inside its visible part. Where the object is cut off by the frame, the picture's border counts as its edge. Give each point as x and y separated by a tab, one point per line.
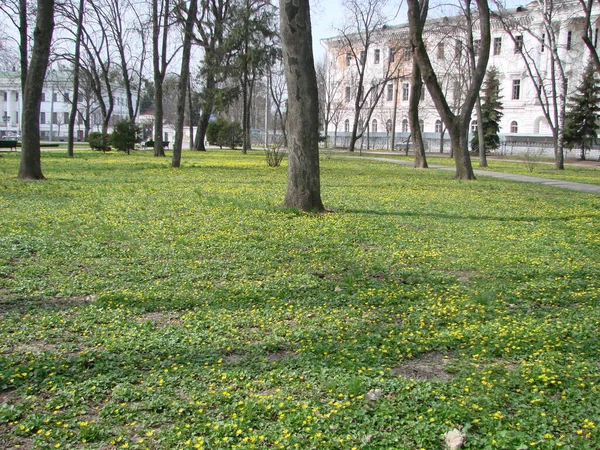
224	133
125	136
99	141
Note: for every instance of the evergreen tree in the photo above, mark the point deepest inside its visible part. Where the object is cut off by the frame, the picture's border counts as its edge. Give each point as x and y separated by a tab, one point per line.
491	112
581	121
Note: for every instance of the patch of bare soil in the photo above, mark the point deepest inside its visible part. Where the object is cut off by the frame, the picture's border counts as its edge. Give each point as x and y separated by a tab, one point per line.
20	305
161	318
428	366
279	355
234	358
9	396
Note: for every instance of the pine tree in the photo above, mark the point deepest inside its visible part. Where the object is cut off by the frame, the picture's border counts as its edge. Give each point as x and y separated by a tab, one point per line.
581	121
491	112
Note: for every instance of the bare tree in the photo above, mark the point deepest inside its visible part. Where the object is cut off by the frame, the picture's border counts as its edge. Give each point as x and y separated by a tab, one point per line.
547	73
189	17
304	183
330	90
278	92
590	36
364	28
457	124
31	167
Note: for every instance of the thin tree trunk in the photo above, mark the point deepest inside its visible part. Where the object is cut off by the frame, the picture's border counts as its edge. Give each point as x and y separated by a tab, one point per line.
190	113
75	98
23	43
480	133
413	115
31	166
304	185
183	82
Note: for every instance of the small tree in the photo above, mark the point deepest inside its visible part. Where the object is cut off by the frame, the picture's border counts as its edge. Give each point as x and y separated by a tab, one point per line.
491	113
581	121
126	135
230	135
213	129
99	141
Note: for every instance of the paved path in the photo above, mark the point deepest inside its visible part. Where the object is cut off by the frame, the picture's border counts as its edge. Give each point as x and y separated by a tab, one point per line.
583	187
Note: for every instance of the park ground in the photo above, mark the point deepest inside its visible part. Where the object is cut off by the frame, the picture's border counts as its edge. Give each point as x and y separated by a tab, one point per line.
149	307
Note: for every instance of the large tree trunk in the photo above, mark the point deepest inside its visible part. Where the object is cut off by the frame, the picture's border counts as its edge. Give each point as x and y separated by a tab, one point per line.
304	184
480	134
23	43
31	166
159	63
183	82
413	116
75	99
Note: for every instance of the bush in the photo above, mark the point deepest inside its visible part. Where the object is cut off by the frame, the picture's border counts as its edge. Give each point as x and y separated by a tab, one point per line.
127	133
224	133
99	141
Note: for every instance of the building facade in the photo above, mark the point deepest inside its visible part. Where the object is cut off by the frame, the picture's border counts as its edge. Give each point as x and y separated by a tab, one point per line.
55	108
523	115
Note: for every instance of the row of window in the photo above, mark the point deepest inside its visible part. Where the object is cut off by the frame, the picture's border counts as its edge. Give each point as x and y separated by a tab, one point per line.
56	116
441	48
514	126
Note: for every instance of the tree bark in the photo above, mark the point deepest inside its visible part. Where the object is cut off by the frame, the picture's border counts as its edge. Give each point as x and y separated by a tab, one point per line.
23	43
480	134
304	185
76	66
159	58
413	116
183	82
31	166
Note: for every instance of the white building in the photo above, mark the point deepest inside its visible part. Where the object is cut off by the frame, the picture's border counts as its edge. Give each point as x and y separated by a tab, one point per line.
55	109
523	115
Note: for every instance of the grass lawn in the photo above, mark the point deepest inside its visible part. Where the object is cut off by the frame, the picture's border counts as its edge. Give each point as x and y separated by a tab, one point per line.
148	307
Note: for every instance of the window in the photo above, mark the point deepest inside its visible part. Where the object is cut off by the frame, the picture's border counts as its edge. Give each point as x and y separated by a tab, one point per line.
348	94
497	46
519	43
43	96
456	90
388	125
476	45
374	126
363	57
405	91
42	117
440	51
516	89
5	96
407	56
79	118
390	92
16	96
55	118
438	126
473	126
54	97
347	125
514	127
422	125
348	59
569	38
405	126
543	42
458	48
16	117
66	117
66	97
392	56
376	56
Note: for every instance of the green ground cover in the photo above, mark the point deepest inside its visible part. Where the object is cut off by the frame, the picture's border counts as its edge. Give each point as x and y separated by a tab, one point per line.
147	307
512	164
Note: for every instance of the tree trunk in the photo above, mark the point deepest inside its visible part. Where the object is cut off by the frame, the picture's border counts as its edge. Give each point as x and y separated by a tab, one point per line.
76	65
31	166
191	113
480	134
183	82
159	63
459	139
23	43
304	185
413	116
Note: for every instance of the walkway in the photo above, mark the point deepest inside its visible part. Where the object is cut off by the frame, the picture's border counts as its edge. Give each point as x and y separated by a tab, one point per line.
583	187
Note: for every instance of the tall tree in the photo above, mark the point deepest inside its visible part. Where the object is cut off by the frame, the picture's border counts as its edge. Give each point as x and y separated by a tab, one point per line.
31	166
582	119
304	182
590	36
161	10
363	28
457	124
189	18
330	92
491	112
